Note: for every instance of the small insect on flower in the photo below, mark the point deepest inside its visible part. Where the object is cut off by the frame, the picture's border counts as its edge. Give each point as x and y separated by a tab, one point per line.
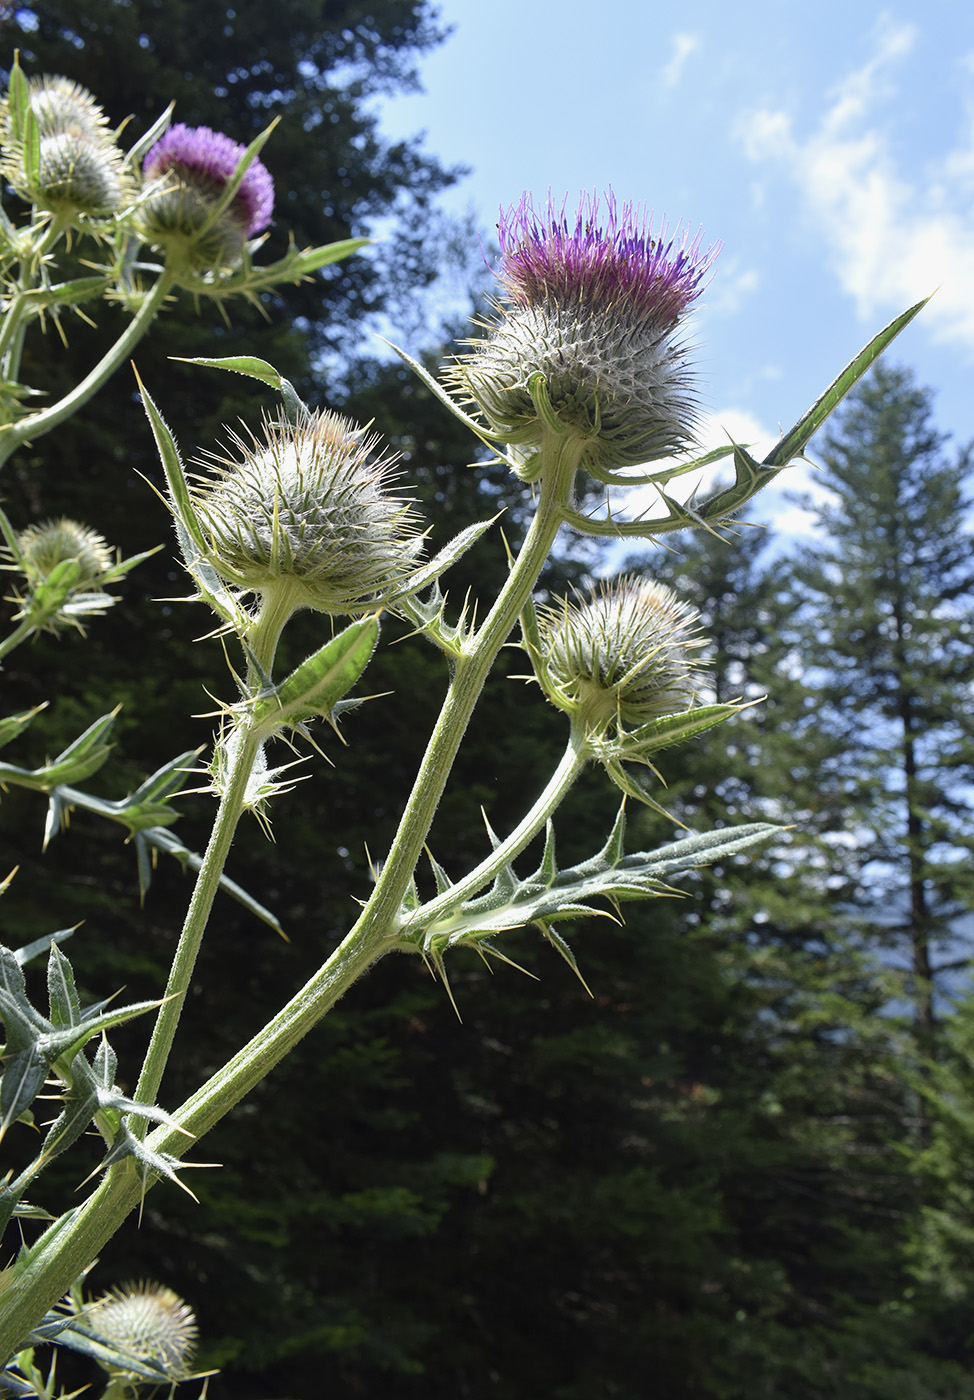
593	304
624	655
188	170
312	510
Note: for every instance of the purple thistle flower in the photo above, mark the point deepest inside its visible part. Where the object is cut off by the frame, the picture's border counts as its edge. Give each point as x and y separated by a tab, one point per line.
206	160
593	306
603	261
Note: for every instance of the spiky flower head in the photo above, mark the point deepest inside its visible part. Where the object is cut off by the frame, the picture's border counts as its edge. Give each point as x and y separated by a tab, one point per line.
80	167
313	508
624	655
189	168
43	547
149	1323
593	303
59	105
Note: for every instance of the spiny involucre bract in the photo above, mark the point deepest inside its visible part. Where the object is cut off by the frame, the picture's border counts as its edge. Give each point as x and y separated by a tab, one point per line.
149	1323
623	655
594	304
313	508
187	172
81	170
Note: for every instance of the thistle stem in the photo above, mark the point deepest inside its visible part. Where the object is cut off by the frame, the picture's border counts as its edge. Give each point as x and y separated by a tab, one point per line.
12	435
70	1244
18	635
571	764
265	636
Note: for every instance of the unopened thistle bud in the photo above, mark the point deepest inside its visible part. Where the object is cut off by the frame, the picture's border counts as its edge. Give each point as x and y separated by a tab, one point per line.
313	509
189	169
593	305
66	566
148	1323
58	104
623	656
43	547
80	169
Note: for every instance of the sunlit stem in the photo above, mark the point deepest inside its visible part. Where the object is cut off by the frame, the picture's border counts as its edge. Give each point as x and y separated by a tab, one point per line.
35	425
572	762
70	1244
244	747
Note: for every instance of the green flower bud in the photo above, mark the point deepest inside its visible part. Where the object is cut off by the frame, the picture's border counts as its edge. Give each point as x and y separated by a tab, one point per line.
312	508
78	174
623	656
80	169
44	547
67	567
149	1323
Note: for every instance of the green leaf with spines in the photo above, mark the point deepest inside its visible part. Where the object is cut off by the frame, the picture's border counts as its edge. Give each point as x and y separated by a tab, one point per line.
41	945
249	365
549	895
63	1044
65	1004
31	149
24	1074
73	293
794	443
18	99
74	764
159	839
210	586
180	499
315	687
750	476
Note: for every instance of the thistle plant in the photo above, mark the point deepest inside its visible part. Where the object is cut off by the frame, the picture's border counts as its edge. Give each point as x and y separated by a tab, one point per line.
578	379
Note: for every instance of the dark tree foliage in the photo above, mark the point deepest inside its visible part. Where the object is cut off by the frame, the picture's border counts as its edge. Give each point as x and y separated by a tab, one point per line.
690	1184
881	622
816	1187
314	64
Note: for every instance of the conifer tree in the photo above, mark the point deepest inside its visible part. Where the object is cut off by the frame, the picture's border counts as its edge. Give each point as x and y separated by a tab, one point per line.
880	624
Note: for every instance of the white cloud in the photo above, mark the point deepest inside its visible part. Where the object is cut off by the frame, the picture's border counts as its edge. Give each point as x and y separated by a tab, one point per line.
683	46
892	237
729	292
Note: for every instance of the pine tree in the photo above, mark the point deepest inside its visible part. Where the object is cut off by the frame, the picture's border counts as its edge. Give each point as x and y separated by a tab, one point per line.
882	634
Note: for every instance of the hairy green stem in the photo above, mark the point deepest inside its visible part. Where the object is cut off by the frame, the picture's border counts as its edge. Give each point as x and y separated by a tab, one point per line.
20	634
15	317
204	892
246	747
571	764
12	435
69	1245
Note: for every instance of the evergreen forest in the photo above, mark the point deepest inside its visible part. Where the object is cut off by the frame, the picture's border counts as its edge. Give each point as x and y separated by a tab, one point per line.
735	1162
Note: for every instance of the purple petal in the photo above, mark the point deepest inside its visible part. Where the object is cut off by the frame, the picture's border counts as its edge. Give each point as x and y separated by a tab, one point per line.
197	153
601	259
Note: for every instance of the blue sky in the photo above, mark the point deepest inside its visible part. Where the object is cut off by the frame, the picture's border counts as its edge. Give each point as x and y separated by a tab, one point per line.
828	146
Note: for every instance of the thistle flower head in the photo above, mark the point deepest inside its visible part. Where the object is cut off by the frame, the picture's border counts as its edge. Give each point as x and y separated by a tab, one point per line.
60	105
593	304
80	170
149	1323
190	168
623	655
44	547
314	505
